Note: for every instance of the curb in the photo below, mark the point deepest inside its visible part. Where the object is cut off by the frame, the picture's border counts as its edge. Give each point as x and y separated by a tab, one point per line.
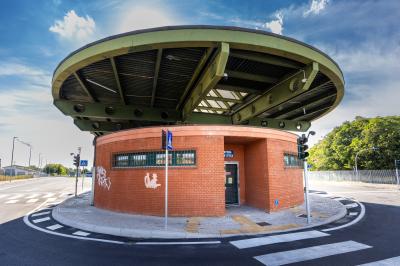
149	234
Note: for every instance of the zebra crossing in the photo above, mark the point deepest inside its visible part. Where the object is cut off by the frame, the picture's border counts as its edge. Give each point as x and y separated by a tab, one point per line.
301	255
28	198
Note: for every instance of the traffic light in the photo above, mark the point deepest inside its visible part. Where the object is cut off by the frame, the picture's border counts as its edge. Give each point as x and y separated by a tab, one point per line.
302	153
163	139
77	159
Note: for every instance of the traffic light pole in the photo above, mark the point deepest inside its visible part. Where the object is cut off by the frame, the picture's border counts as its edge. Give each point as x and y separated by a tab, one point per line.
77	171
305	165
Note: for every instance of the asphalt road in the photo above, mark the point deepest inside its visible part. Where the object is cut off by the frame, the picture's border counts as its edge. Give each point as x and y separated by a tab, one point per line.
375	237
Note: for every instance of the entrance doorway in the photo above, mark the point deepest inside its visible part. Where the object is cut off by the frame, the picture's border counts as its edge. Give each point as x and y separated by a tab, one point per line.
231	183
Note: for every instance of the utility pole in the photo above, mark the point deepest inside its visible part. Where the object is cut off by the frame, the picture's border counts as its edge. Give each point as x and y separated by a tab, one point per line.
12	156
77	159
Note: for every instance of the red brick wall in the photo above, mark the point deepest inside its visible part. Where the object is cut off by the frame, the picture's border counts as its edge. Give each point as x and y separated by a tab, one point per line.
285	184
191	192
238	151
200	190
256	174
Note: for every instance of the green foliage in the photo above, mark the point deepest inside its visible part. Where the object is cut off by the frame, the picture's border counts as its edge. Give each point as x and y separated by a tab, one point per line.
337	151
55	169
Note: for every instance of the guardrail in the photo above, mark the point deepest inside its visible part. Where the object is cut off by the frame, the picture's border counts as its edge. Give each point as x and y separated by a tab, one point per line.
366	176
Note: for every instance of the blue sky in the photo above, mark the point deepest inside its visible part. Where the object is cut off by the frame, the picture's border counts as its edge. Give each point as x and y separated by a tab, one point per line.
362	36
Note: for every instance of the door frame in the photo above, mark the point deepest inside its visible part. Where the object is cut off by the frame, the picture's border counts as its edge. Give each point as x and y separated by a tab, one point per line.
237	183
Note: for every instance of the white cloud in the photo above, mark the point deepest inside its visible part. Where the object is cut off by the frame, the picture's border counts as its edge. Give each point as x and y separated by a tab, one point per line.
74	27
276	25
144	16
316	7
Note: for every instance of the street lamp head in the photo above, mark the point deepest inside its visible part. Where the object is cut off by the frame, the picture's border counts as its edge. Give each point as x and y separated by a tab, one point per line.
72	154
312	133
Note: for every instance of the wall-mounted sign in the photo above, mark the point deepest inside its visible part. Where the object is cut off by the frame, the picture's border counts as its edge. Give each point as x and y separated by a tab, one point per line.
151	183
228	154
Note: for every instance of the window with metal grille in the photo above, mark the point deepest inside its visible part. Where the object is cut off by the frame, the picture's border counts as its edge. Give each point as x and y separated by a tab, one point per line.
154	159
291	161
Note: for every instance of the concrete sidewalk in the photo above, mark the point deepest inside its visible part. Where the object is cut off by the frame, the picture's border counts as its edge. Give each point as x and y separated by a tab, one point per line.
243	220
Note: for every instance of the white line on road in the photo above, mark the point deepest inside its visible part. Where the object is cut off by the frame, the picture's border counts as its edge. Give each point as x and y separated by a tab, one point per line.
353	213
81	233
28	223
52	199
310	253
16	196
48	195
179	243
32	200
351	205
387	262
359	217
11	201
41	220
35	195
40	213
268	240
54	227
3	196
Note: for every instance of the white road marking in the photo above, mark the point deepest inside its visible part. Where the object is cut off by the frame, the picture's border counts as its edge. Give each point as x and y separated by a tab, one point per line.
52	199
351	205
387	262
35	195
339	199
3	196
81	233
353	213
16	196
48	195
179	243
32	200
268	240
310	253
54	227
359	217
11	201
28	223
40	213
41	220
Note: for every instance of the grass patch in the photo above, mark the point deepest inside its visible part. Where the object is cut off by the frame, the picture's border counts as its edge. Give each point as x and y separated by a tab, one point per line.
16	177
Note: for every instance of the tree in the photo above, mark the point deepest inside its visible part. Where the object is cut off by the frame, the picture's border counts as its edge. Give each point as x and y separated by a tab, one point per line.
337	150
55	169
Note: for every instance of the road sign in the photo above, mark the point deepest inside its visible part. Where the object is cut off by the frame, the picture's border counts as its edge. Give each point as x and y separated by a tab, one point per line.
89	174
84	163
169	140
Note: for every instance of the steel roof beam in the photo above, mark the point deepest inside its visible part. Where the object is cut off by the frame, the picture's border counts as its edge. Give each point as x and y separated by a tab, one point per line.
155	78
238	89
211	76
311	112
195	75
283	91
84	87
221	99
117	81
248	76
314	101
116	111
267	59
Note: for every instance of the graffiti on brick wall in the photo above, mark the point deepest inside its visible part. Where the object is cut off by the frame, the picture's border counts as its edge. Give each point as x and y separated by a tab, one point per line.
102	179
151	183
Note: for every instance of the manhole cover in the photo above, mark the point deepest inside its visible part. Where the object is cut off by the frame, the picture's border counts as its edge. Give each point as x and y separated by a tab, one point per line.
263	224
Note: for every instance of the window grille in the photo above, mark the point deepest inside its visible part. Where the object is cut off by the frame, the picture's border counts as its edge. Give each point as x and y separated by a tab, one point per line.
292	161
154	159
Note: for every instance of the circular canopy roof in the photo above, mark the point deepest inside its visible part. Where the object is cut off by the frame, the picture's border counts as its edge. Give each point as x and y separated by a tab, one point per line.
196	75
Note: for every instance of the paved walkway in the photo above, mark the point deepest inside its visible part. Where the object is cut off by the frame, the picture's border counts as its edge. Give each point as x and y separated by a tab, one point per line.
243	220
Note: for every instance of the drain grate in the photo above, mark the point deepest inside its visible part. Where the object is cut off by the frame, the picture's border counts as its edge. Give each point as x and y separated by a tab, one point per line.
303	215
263	224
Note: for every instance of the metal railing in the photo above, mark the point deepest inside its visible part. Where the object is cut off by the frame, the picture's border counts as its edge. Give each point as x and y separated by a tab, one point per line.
366	176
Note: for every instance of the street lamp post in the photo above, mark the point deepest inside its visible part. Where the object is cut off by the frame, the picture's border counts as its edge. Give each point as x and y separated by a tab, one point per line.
12	155
356	168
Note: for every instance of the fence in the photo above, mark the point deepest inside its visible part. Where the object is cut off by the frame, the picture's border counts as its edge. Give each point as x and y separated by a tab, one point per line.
367	176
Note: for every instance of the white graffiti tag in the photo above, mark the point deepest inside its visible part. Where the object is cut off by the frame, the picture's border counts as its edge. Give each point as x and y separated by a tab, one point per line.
151	183
102	178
